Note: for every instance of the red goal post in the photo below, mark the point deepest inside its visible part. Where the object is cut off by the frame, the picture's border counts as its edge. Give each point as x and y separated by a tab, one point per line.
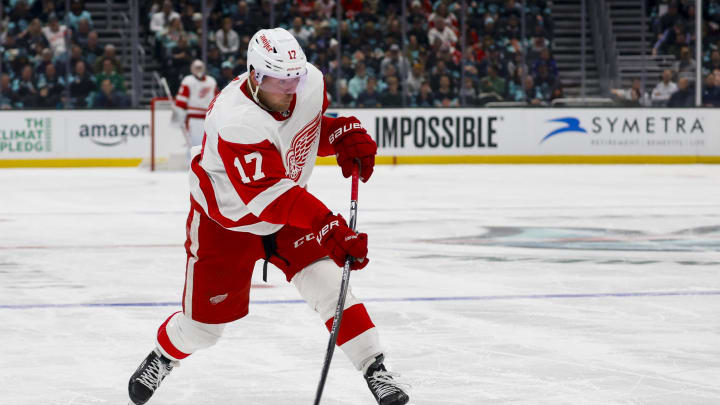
168	146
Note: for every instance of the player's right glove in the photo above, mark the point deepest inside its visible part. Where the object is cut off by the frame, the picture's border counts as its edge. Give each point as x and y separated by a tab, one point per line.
340	241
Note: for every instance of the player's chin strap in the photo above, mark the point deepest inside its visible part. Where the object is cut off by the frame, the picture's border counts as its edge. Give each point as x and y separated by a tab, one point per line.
254	93
270	245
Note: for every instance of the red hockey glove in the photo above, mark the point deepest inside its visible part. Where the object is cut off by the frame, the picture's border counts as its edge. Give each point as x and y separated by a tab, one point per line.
340	241
351	141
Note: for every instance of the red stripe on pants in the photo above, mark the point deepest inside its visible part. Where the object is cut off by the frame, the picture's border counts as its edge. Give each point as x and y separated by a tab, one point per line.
165	342
355	321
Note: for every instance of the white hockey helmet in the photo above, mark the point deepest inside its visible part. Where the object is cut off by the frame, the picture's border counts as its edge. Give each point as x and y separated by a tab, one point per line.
197	68
276	53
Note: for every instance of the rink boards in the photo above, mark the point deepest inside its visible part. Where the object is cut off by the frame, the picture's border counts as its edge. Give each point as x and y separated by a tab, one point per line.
404	136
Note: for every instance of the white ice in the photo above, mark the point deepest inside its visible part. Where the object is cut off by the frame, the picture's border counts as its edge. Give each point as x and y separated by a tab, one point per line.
554	285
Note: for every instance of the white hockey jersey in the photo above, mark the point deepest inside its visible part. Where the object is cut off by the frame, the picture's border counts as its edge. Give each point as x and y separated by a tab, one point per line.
193	99
254	164
195	95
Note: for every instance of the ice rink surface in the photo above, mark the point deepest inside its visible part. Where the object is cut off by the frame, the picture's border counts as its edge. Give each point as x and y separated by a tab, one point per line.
489	285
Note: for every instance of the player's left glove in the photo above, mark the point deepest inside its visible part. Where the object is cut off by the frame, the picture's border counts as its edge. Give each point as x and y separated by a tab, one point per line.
351	141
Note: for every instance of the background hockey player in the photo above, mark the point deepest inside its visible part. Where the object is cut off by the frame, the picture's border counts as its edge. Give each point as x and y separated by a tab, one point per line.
192	101
249	202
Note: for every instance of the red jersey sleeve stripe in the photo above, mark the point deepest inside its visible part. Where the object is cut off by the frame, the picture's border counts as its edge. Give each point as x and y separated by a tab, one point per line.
265	198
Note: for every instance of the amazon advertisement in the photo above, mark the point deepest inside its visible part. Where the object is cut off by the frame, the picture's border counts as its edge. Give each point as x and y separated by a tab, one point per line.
74	134
543	131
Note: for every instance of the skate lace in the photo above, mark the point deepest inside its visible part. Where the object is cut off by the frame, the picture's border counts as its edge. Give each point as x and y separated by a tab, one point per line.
154	374
385	383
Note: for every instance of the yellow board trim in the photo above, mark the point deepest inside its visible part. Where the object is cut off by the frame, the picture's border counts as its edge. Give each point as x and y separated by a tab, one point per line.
536	159
392	160
89	162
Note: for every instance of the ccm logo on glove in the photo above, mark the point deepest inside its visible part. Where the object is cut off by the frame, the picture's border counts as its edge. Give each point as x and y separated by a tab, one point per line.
325	229
340	241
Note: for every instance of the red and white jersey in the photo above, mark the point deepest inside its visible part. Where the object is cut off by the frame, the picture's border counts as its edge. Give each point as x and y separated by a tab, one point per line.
254	163
195	94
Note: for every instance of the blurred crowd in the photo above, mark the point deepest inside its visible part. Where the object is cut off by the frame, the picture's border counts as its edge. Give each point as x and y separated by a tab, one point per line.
376	66
674	26
52	58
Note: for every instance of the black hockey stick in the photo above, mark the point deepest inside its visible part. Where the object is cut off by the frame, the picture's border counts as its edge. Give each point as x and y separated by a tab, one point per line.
343	288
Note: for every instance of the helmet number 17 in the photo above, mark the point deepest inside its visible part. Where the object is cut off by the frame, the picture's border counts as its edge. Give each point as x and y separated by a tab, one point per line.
292	54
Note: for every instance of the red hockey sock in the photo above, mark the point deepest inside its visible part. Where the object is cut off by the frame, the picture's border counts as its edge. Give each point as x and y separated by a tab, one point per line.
355	320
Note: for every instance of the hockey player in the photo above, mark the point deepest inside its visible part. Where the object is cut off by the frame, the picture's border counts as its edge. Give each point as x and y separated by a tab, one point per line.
249	202
192	100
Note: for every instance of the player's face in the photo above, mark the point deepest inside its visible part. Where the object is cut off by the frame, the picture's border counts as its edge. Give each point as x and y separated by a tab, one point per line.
276	93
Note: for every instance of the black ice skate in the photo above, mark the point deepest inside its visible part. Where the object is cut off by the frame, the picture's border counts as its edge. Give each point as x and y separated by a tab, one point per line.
383	384
148	376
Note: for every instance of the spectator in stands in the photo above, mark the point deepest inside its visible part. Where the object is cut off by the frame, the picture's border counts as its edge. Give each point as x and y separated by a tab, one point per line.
394	58
82	85
77	14
75	56
442	32
669	19
469	93
415	79
242	19
227	40
43	9
684	96
391	97
713	64
663	90
492	83
711	92
214	61
46	58
19	15
425	98
8	99
161	20
55	35
32	36
81	33
437	73
544	81
226	74
186	18
170	37
109	72
300	32
51	88
357	84
441	12
369	97
631	97
419	31
92	50
108	97
548	61
346	100
25	88
531	93
672	40
108	54
446	96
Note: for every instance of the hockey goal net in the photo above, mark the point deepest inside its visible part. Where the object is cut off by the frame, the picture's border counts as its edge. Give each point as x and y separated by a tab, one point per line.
168	146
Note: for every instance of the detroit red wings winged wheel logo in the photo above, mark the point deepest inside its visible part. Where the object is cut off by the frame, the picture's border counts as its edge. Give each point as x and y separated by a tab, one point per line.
296	157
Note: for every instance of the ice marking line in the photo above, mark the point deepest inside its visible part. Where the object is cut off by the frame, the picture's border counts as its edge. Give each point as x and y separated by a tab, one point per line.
389	299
